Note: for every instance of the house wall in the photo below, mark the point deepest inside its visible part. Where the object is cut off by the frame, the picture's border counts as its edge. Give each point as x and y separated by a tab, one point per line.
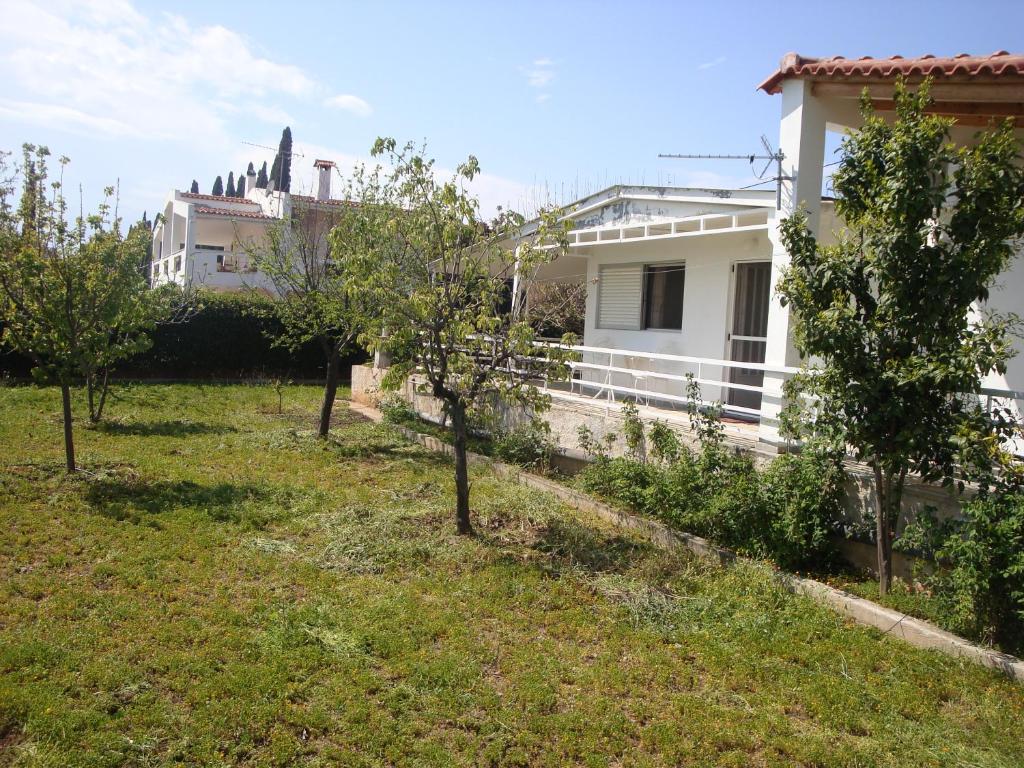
706	303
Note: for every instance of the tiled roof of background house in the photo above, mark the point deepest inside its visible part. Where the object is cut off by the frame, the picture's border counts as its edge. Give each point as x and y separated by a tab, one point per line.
1000	64
221	198
229	212
331	201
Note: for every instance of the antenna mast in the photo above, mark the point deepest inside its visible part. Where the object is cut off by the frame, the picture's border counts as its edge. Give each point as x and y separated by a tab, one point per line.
771	155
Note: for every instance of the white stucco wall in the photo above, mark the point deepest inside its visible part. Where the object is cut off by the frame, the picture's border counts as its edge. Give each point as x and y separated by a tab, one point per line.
706	302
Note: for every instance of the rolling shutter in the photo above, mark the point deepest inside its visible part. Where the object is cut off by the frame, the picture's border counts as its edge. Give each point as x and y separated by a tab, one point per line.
619	297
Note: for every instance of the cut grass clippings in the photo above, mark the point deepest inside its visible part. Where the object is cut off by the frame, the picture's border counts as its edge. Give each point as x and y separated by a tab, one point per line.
221	588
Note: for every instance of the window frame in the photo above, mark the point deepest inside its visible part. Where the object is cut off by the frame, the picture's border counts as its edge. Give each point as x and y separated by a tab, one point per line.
645	295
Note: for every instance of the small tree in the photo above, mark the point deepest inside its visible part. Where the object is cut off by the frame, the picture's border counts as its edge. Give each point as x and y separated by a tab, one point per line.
72	297
894	313
312	302
240	186
218	187
261	177
194	189
230	190
438	281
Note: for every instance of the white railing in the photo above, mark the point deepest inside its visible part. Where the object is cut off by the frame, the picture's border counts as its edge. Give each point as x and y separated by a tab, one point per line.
702	224
605	363
608	366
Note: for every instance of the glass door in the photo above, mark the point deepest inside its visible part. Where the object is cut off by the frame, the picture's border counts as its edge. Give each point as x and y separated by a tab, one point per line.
749	335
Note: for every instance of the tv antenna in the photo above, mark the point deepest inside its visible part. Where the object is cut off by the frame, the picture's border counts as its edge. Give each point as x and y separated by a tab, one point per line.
771	156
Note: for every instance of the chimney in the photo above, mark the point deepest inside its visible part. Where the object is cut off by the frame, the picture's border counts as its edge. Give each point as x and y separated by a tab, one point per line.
323	190
250	180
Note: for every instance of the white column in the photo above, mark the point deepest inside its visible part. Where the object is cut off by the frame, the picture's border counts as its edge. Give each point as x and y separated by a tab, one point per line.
802	141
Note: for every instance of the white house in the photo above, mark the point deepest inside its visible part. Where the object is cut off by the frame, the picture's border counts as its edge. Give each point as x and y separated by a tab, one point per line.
681	280
201	240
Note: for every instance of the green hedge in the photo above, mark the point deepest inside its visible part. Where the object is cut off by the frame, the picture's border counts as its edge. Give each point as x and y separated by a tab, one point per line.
222	340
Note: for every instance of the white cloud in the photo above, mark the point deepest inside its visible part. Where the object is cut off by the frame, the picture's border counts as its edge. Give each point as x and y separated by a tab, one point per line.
712	63
104	68
349	103
73	119
540	73
542	97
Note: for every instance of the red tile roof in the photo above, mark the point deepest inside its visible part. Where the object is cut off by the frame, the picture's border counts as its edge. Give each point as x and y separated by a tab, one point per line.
962	67
222	198
331	201
234	214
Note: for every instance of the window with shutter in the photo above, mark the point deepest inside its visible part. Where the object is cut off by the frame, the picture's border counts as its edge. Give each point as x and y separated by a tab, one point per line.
620	297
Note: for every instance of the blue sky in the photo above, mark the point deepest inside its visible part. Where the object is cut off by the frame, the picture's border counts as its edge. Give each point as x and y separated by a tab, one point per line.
553	98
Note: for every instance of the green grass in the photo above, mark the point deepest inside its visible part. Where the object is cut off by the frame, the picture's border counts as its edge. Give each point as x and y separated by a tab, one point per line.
218	588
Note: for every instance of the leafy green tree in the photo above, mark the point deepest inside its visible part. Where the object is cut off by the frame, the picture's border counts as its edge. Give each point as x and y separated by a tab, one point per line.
72	297
312	302
218	187
893	315
240	186
230	189
261	177
437	279
195	187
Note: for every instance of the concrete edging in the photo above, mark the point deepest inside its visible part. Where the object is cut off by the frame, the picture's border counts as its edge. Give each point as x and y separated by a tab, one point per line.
916	632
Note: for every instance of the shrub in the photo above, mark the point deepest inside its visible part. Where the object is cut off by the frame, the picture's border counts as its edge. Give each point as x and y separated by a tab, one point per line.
787	512
396	410
979	575
805	493
228	337
529	446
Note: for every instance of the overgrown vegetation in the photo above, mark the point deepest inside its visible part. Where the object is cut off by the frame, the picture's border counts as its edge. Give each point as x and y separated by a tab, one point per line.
222	588
786	512
976	568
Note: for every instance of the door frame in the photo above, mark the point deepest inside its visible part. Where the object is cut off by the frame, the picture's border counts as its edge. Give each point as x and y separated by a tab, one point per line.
731	316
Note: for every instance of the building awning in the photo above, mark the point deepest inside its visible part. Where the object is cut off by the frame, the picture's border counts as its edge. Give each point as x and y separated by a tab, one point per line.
973	89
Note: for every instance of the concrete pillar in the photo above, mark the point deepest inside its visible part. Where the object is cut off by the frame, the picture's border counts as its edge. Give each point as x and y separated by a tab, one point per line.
802	141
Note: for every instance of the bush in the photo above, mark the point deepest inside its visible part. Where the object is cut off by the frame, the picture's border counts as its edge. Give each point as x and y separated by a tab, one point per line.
787	512
396	410
805	493
529	446
979	568
229	337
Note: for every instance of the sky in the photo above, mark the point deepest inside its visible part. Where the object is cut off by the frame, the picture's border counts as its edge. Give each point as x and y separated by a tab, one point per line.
556	99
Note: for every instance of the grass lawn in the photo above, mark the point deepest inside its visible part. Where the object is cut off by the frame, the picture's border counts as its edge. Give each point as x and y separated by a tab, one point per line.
221	589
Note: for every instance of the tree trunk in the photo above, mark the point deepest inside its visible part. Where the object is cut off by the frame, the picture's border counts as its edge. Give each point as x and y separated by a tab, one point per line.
462	522
96	409
330	388
90	387
69	438
885	495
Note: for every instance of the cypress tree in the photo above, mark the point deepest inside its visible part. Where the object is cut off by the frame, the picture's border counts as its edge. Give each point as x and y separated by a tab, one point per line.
230	191
218	186
240	186
285	151
275	172
261	177
195	187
